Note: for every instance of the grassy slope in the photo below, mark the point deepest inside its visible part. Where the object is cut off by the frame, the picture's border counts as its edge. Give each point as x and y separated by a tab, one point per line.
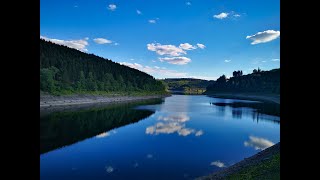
263	165
269	169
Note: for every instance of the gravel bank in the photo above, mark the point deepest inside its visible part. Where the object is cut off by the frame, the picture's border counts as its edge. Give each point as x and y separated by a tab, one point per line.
47	101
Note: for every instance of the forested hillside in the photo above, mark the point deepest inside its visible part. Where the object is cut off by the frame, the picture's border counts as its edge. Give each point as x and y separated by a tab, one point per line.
256	82
67	70
186	85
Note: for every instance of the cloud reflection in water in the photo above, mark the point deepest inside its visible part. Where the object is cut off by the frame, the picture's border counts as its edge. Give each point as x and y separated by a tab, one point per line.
174	123
102	135
218	164
258	143
106	134
109	169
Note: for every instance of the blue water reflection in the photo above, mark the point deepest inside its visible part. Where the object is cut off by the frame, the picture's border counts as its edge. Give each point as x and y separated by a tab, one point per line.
184	138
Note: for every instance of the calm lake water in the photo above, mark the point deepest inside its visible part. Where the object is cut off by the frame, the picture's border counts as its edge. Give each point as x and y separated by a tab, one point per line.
179	137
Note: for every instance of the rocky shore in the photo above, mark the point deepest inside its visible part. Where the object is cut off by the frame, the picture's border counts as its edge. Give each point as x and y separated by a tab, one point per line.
48	101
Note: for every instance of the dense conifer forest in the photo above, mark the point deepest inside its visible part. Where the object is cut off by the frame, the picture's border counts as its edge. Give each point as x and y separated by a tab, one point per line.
257	82
64	70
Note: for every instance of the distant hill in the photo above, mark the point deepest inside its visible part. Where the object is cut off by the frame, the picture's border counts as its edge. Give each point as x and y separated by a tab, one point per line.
256	82
185	85
67	70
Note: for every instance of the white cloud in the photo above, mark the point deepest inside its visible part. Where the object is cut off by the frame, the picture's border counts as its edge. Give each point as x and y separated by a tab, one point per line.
187	46
275	59
203	77
199	133
102	135
263	37
176	60
218	164
188	3
80	44
155	70
138	12
170	50
102	41
202	46
133	65
173	50
112	7
221	15
258	143
224	15
263	61
152	21
227	60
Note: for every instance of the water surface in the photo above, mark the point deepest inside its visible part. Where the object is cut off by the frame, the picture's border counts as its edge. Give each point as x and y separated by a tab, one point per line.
182	137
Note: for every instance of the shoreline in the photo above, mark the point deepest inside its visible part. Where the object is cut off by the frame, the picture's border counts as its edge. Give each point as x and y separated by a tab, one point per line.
260	158
274	98
50	101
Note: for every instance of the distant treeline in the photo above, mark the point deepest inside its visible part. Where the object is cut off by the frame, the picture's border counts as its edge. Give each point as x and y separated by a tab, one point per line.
186	85
64	69
257	82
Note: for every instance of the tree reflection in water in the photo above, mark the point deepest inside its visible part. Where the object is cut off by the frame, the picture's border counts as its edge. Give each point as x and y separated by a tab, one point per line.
58	129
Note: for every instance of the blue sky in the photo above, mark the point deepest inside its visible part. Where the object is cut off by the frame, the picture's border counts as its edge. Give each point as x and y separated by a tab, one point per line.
169	39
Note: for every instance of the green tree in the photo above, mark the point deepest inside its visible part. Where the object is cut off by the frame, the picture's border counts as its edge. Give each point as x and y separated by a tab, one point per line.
222	79
81	83
91	83
47	82
71	63
108	81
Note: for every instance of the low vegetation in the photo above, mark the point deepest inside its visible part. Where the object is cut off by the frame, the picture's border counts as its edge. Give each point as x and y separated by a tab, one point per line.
269	169
185	85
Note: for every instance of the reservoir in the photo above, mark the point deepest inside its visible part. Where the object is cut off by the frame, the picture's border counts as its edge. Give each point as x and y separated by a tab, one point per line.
178	137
